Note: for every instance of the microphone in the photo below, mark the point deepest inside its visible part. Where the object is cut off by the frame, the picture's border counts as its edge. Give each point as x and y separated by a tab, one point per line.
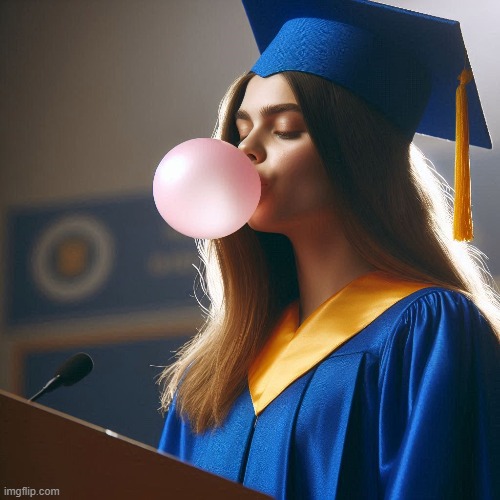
69	373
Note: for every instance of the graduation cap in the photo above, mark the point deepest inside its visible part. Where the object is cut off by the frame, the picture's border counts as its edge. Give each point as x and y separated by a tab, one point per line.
411	67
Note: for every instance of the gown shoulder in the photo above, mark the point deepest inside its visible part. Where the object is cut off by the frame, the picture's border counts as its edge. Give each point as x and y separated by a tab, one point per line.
439	385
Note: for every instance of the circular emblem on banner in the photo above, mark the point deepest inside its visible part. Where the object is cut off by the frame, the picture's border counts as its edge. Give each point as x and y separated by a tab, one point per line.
73	258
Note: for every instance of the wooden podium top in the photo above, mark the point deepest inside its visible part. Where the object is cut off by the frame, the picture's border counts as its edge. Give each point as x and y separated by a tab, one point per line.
42	449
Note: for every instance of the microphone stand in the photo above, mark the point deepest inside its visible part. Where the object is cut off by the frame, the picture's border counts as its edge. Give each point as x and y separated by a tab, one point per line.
52	384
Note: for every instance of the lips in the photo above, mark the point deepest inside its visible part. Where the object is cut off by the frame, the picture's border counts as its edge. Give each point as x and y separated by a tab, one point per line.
263	182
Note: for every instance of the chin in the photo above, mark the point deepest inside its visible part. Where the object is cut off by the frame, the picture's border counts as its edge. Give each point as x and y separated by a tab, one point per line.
264	225
259	225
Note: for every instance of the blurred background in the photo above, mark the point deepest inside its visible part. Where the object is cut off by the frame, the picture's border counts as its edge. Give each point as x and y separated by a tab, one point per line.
93	94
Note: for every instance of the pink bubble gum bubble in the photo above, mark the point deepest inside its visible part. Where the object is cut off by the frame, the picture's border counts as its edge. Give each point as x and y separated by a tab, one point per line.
206	188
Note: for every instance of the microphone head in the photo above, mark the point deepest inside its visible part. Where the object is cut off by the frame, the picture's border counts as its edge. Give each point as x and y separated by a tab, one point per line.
74	369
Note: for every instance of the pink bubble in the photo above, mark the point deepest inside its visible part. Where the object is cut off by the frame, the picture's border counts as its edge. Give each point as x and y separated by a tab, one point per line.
206	188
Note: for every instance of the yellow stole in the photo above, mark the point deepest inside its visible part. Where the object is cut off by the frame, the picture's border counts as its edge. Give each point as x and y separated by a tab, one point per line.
292	350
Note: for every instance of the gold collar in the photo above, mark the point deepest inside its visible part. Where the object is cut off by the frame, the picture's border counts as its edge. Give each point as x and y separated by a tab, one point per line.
292	350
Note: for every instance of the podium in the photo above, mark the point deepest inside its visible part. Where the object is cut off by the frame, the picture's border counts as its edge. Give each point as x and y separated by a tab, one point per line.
41	448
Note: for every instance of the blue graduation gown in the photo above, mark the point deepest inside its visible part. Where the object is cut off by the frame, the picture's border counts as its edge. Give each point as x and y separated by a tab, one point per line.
407	408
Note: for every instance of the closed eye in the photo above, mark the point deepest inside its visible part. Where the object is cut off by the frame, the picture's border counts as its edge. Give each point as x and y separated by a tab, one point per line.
287	135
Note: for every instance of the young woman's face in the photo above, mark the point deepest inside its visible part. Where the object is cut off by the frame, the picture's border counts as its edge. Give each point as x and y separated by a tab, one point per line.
295	187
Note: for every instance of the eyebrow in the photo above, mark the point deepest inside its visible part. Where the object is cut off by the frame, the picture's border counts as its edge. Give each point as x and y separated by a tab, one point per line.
271	109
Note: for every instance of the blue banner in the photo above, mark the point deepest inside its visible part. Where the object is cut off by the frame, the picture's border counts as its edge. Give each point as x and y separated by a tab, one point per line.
94	258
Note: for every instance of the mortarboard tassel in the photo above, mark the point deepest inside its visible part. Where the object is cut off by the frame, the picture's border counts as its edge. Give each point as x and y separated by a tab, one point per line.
462	216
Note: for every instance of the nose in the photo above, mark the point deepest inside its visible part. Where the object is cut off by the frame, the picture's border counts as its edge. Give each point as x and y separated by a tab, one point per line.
253	148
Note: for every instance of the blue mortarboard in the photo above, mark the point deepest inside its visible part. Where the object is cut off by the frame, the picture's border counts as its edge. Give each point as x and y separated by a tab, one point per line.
403	63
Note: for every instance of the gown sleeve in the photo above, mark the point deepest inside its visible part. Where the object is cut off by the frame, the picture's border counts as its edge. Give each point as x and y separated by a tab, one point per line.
439	403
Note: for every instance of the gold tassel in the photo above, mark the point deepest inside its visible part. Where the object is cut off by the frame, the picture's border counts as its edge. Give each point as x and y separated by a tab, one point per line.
462	216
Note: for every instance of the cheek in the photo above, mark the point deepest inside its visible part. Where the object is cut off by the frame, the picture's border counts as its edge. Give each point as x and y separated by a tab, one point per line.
298	164
301	173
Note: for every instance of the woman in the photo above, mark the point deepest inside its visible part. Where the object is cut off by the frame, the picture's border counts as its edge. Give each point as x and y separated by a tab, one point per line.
349	349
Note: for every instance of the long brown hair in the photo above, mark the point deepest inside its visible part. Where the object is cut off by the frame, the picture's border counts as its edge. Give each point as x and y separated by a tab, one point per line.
394	212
